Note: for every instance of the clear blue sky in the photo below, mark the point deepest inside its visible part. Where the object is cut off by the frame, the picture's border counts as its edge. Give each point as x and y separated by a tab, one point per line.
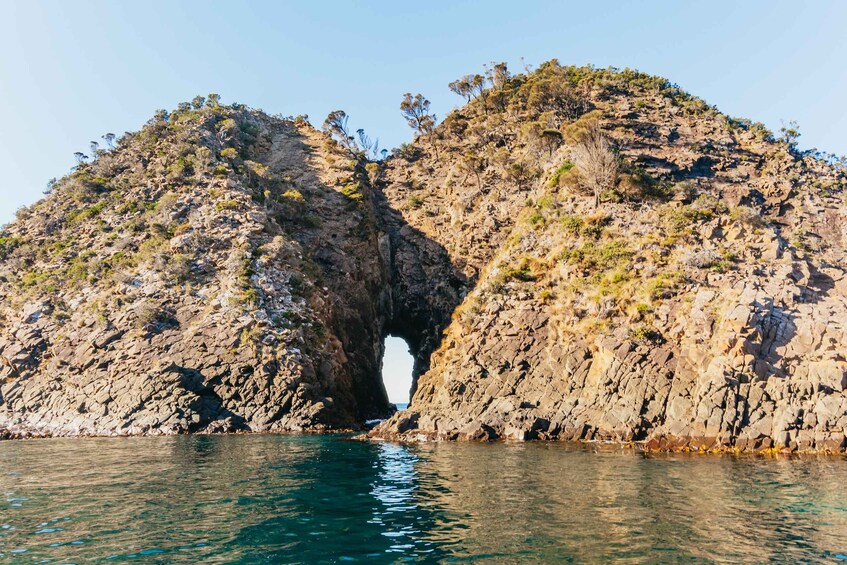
397	369
71	71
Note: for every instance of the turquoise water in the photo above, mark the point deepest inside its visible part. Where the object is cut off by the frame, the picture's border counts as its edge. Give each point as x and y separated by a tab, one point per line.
313	499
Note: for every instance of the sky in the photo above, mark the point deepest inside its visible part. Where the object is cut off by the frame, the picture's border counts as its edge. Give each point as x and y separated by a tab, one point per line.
397	369
71	71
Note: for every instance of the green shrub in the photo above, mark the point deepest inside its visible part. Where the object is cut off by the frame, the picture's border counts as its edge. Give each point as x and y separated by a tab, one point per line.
557	175
646	335
311	221
643	308
318	329
590	255
180	169
296	285
8	244
89	185
353	191
537	219
726	263
75	216
572	224
663	286
527	270
521	273
33	278
227	205
250	297
546	202
249	133
149	247
122	260
546	295
77	269
677	218
293	196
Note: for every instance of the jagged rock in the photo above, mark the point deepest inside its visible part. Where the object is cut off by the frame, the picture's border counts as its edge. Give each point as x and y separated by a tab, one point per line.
186	318
222	271
741	347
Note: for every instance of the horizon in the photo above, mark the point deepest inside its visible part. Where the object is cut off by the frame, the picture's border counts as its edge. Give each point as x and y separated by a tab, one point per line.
74	73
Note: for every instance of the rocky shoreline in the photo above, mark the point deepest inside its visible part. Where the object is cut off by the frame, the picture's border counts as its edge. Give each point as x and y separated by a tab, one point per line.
699	446
227	271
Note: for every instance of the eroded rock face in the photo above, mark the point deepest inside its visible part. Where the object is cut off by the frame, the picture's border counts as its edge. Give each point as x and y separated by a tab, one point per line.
712	317
424	286
219	271
222	270
766	376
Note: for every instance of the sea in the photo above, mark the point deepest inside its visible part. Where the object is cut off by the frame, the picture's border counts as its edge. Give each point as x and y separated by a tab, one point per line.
336	499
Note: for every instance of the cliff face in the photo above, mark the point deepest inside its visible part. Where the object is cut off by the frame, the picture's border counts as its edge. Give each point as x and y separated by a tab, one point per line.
574	254
220	270
702	304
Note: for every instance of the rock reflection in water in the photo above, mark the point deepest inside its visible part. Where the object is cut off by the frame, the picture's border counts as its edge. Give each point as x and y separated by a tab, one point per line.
550	502
327	499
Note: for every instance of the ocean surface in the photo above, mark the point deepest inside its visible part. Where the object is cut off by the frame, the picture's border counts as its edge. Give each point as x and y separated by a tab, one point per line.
330	499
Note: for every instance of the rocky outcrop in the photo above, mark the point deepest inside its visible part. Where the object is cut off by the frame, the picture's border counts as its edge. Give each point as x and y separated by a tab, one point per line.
703	309
218	271
756	379
223	270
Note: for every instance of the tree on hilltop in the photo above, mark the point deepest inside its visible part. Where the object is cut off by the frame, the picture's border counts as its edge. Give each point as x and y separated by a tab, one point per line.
416	111
335	125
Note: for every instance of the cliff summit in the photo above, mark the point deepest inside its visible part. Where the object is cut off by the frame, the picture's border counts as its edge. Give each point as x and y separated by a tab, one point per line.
576	253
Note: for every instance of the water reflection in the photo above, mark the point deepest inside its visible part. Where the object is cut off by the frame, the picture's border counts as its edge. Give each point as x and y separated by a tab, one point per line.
534	500
315	499
393	489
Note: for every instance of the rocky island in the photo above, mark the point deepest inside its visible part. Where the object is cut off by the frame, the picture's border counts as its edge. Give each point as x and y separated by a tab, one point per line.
574	254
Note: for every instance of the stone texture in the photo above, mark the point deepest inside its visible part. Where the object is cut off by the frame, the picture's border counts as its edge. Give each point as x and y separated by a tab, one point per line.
223	270
275	323
668	347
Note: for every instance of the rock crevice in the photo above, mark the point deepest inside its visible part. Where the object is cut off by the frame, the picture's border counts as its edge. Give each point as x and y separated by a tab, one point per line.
223	270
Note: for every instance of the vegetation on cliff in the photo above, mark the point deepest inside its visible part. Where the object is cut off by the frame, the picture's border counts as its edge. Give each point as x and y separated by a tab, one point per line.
644	267
575	253
186	279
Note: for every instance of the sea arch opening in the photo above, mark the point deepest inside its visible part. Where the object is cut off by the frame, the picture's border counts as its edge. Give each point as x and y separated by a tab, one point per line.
398	367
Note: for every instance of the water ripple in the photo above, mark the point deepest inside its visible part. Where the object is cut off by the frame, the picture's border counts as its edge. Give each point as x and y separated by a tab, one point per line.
321	499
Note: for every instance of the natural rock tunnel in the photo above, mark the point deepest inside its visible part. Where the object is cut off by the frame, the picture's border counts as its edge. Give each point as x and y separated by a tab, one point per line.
255	291
295	294
397	367
424	286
